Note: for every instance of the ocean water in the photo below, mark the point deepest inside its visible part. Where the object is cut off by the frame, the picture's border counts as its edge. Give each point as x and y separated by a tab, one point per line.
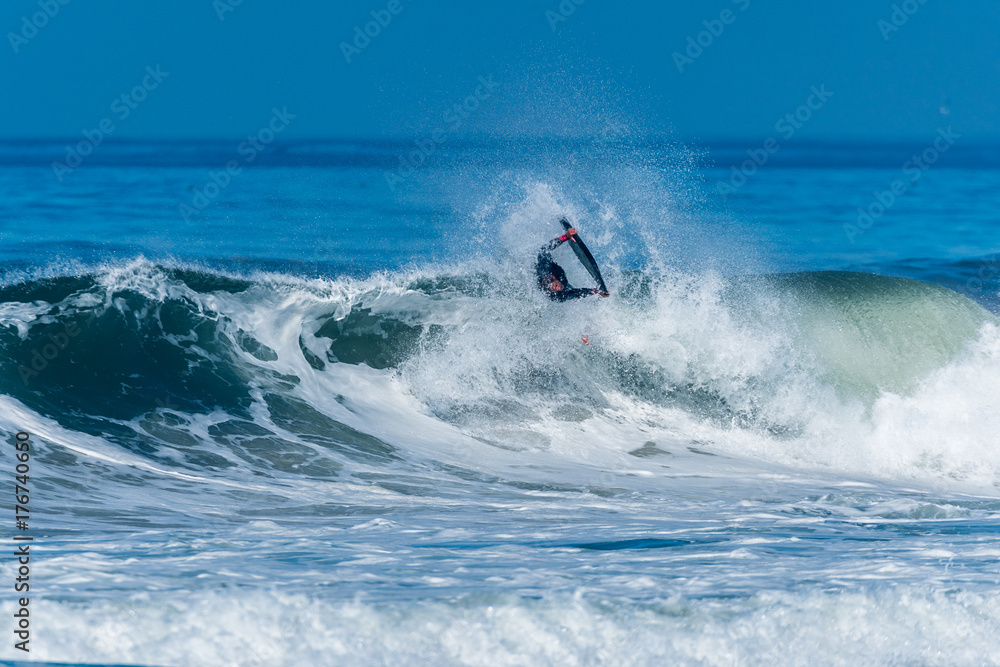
316	413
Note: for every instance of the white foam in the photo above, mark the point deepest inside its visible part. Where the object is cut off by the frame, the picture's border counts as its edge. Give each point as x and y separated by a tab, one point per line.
894	625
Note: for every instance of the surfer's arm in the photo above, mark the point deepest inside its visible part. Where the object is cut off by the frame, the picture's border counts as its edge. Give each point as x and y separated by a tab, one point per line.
553	244
543	265
574	293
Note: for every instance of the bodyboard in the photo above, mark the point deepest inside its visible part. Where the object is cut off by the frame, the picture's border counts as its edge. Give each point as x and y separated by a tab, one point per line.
583	254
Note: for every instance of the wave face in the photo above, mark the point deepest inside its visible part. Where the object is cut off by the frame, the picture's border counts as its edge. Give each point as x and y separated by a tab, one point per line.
870	333
133	354
112	353
352	429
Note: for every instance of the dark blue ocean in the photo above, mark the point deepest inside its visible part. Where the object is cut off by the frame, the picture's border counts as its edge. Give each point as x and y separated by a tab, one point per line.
309	408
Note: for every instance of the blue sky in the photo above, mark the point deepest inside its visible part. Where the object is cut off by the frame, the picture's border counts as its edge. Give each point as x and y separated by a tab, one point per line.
228	65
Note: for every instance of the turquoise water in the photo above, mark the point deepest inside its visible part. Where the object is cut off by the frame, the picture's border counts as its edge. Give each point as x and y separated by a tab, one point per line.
321	420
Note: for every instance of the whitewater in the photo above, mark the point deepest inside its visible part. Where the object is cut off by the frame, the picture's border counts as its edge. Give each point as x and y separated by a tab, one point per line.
422	460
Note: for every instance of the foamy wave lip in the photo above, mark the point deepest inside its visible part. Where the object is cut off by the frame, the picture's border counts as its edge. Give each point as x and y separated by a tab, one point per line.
949	426
899	625
942	433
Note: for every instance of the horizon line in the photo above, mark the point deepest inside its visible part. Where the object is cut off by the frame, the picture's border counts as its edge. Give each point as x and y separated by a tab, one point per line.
720	141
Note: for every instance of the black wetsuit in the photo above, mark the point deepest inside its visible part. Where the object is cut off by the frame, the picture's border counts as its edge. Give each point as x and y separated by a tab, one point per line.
546	267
